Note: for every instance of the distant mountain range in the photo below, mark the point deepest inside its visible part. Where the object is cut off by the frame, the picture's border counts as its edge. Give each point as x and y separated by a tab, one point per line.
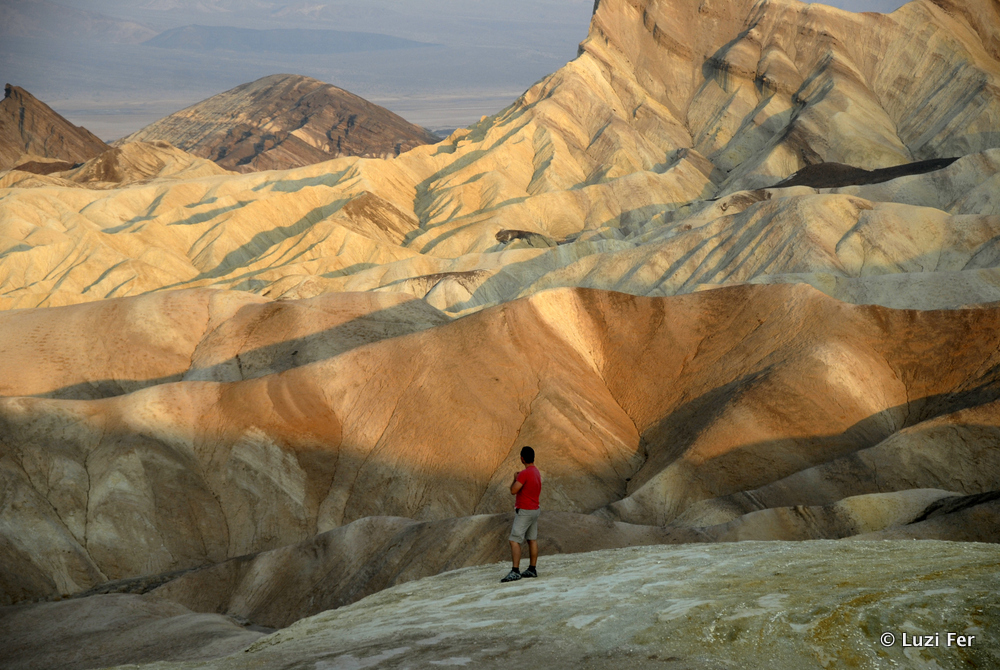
43	19
283	41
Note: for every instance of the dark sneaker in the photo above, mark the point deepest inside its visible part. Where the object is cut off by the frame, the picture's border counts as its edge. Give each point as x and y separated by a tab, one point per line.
512	576
530	572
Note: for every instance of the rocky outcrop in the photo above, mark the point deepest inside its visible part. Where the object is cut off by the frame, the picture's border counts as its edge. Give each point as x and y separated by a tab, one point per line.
141	161
29	126
285	121
761	604
45	167
133	163
838	175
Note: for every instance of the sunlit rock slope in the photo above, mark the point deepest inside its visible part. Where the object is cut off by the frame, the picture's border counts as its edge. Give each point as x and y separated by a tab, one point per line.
628	169
198	426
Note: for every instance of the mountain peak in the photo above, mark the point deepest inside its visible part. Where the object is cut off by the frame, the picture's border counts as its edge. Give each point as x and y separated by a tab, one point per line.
29	126
282	121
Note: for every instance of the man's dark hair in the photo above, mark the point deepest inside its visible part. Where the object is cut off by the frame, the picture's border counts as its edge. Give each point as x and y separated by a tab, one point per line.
528	454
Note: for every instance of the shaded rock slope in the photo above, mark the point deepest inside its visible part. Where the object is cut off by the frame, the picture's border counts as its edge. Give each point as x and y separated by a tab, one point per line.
108	630
29	126
285	121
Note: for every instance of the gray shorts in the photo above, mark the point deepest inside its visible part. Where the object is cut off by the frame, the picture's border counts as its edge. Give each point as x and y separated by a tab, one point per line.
525	525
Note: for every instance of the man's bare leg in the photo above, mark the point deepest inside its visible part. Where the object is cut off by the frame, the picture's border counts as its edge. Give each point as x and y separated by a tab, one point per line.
532	551
515	553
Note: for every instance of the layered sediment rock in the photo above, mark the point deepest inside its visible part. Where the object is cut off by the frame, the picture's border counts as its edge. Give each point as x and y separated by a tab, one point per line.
332	368
29	126
647	410
285	121
670	119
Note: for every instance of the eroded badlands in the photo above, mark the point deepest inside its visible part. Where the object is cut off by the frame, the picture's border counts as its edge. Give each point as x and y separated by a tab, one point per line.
263	396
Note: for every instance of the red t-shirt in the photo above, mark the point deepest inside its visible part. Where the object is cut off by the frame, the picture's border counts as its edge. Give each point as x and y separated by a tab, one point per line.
531	486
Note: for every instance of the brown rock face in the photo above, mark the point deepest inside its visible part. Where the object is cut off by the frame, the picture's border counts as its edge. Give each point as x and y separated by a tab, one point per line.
45	167
285	121
29	126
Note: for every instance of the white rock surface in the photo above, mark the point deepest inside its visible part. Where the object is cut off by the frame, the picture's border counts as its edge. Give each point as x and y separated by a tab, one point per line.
762	604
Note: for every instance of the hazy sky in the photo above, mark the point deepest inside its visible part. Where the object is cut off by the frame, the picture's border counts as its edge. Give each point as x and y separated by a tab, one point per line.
883	6
479	54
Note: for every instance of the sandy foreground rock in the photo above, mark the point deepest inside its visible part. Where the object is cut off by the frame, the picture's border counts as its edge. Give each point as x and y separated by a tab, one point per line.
772	604
278	587
342	566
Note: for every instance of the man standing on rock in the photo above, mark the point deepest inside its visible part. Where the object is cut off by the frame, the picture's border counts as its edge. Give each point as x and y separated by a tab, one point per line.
526	487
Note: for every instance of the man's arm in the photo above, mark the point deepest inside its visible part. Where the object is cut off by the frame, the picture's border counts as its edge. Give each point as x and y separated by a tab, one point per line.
516	486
